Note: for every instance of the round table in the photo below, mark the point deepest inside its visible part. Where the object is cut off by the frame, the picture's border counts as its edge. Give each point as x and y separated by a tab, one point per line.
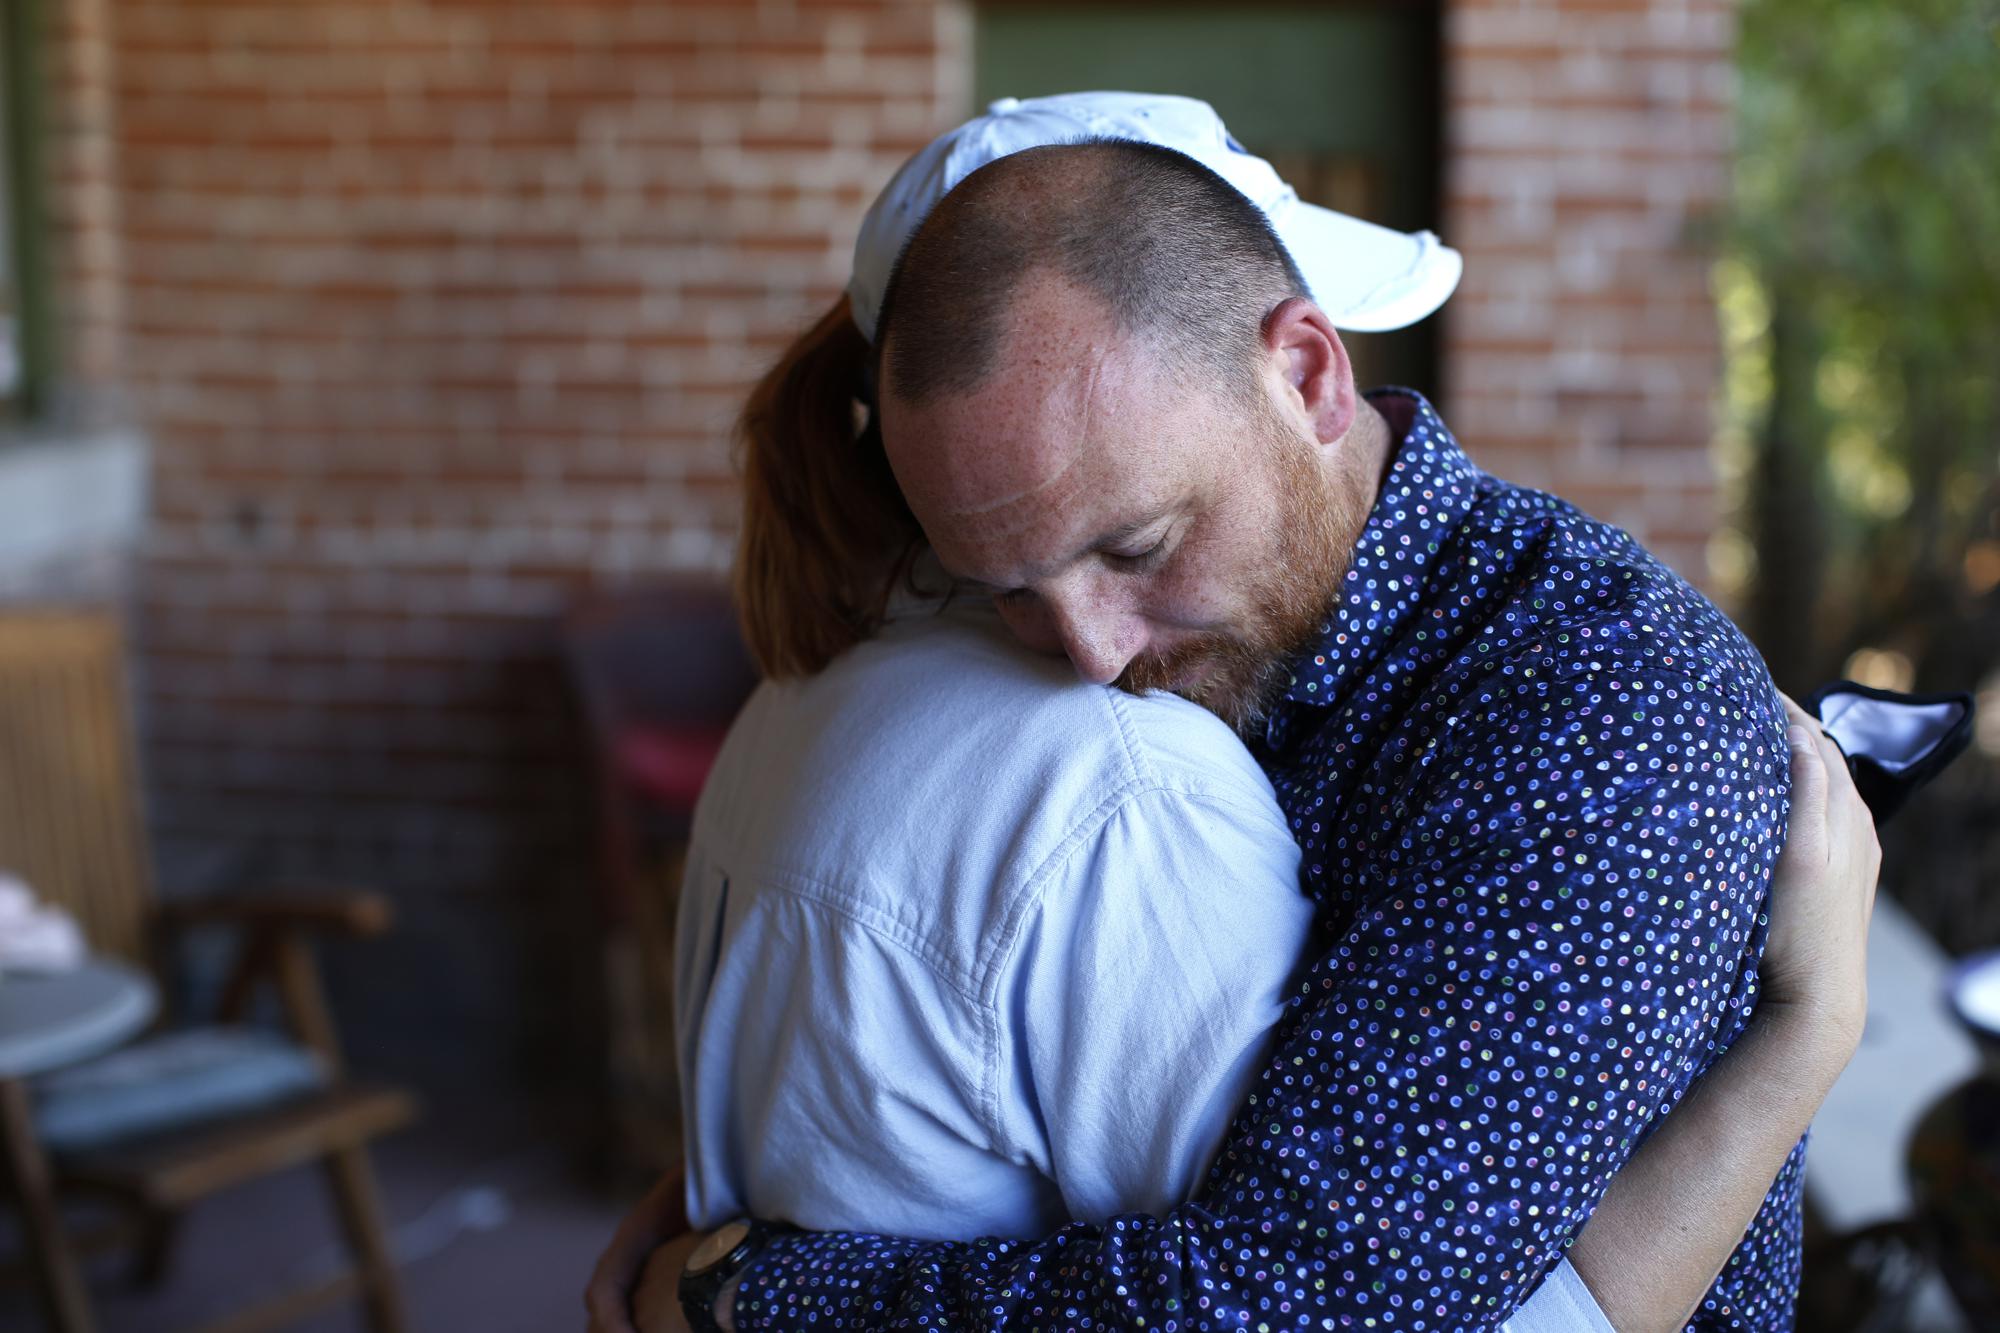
48	1020
52	1019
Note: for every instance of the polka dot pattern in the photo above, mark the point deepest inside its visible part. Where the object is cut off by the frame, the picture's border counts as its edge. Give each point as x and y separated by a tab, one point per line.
1540	787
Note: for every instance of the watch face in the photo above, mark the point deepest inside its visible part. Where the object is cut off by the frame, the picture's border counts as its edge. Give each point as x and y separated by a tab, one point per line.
717	1247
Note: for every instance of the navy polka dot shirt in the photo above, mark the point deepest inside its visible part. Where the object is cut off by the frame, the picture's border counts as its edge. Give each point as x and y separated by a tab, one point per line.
1540	784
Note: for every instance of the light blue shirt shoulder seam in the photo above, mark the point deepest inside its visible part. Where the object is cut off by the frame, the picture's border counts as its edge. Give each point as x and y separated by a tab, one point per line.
1000	959
1090	825
893	930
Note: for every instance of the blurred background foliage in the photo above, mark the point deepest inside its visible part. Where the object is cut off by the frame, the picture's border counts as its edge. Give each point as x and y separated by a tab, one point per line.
1860	299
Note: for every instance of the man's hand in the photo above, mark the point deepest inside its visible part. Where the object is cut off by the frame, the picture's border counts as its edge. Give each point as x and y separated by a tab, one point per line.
659	1217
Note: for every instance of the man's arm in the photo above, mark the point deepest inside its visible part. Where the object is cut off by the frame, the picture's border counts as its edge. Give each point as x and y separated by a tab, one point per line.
1677	1208
1666	1223
1545	966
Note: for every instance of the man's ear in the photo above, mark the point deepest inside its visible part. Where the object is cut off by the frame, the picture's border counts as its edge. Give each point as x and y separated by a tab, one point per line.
1307	354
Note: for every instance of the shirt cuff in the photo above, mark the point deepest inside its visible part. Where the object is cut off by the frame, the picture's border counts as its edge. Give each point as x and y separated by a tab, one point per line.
826	1280
1562	1304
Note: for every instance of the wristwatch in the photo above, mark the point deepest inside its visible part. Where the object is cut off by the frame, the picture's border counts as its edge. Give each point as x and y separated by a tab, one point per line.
715	1263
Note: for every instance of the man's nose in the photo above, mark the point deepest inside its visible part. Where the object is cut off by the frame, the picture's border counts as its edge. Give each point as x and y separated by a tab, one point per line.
1100	641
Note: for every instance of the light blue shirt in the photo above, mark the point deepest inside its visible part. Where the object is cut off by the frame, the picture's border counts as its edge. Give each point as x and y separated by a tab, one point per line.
967	947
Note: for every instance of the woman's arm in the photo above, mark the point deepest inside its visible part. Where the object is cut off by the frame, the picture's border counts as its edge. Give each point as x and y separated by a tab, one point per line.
1671	1217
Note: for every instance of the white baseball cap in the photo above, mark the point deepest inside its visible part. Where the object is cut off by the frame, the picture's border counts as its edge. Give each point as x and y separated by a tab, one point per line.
1366	278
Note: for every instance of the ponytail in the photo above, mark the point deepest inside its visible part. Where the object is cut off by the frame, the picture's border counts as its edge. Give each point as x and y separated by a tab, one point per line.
826	533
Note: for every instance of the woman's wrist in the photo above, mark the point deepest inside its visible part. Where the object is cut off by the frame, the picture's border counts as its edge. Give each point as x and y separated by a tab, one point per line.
1807	1039
1672	1214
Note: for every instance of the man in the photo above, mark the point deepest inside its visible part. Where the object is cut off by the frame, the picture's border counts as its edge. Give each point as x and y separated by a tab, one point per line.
1538	782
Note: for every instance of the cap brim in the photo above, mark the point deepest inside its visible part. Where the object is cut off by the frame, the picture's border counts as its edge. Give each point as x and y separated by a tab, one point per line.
1368	279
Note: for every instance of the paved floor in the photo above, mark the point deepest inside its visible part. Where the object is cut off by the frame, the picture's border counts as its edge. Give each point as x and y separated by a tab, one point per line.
1912	1052
494	1227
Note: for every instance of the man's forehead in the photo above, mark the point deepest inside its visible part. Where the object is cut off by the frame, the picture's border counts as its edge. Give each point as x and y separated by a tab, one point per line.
1027	423
1006	488
1012	441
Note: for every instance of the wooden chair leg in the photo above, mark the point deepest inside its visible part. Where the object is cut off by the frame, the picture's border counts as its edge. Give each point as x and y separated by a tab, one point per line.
55	1269
360	1208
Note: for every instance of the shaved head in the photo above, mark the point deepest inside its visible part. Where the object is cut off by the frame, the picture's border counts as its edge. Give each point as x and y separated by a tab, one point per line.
1101	394
1109	404
1173	254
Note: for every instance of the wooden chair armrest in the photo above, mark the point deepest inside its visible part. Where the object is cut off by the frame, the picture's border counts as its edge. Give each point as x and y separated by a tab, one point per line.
355	912
275	950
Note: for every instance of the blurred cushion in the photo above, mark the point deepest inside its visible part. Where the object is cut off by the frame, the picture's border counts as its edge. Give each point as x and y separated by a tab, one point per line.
667	764
169	1081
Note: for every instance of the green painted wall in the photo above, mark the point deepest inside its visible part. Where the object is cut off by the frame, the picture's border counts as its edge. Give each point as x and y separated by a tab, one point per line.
1325	79
1283	77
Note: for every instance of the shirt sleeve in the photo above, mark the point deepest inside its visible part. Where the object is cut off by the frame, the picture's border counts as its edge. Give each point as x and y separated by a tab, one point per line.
1140	997
1562	1304
1558	933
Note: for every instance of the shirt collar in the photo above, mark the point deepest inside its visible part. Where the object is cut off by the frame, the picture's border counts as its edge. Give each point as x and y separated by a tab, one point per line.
1431	485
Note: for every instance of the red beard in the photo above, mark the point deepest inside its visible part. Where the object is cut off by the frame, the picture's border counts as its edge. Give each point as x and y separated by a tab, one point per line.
1243	674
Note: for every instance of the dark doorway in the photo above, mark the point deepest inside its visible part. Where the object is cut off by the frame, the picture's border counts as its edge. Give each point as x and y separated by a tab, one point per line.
1343	99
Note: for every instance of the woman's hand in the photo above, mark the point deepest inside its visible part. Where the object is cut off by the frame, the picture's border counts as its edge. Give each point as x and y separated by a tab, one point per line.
658	1218
656	1305
1822	895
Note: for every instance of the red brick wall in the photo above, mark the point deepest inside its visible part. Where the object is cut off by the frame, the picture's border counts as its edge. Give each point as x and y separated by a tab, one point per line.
438	314
1588	154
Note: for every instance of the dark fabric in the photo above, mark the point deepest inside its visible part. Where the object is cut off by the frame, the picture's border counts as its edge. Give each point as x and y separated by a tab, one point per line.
1540	784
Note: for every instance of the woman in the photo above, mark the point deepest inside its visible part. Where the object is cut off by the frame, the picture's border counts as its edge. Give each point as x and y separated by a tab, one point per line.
829	1071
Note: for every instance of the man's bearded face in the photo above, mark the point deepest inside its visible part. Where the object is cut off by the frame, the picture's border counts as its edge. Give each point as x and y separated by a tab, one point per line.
1159	527
1238	675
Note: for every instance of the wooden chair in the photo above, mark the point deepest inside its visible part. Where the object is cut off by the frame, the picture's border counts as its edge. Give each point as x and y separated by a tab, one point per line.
659	672
70	823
